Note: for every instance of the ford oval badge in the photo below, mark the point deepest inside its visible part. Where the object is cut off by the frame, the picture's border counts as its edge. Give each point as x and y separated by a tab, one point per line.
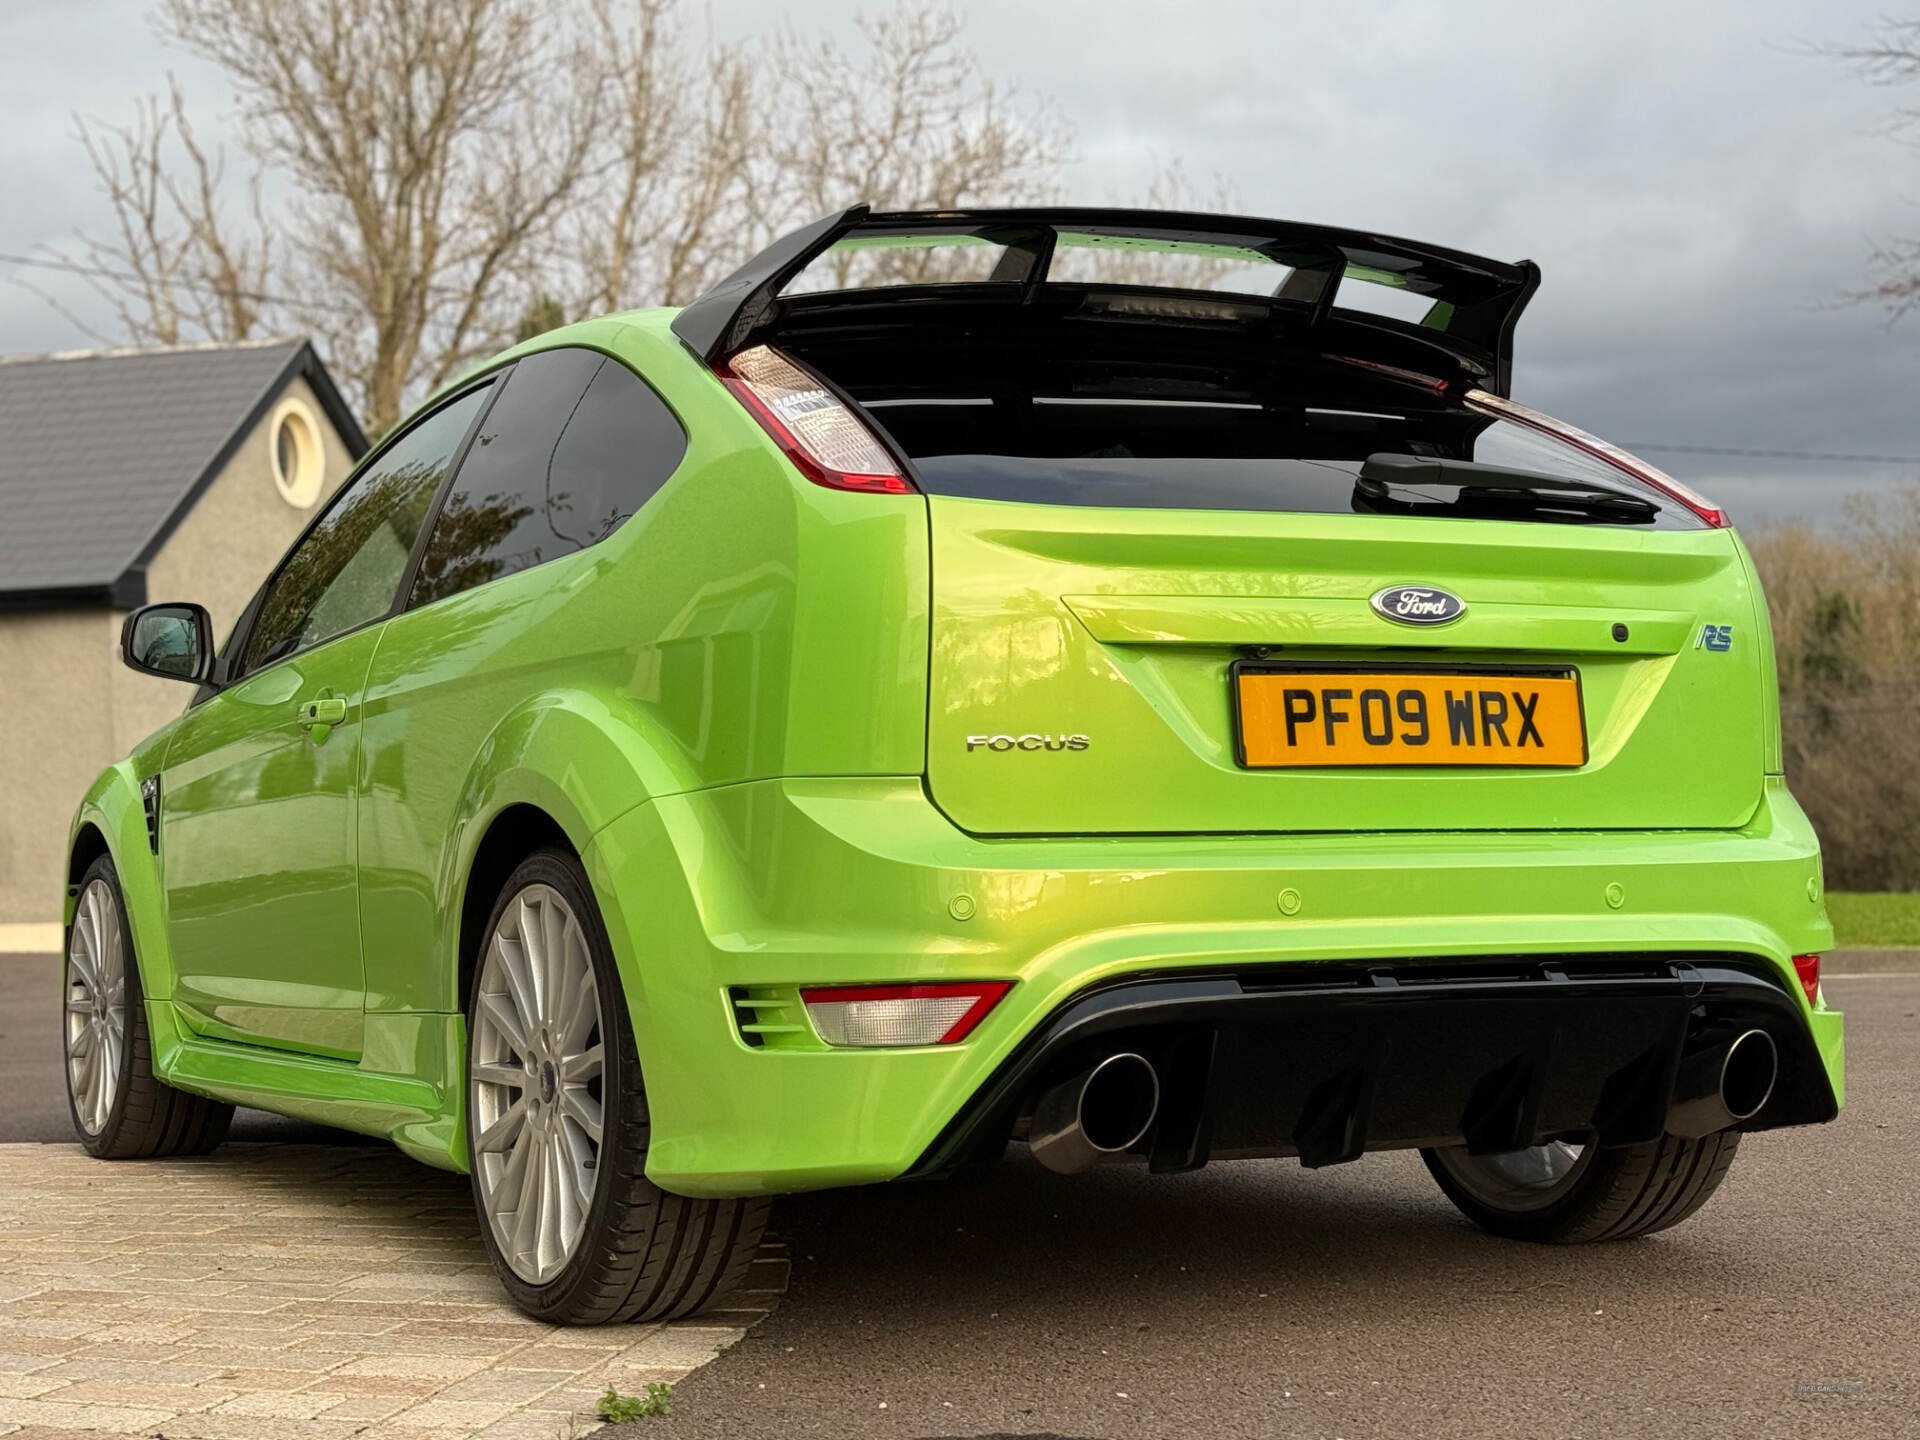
1418	605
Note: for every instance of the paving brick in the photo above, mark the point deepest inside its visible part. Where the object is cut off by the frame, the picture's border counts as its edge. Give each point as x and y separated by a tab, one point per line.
114	1418
279	1405
144	1395
14	1386
532	1425
325	1353
242	1378
401	1387
368	1407
418	1367
40	1329
513	1387
142	1353
464	1416
143	1372
212	1425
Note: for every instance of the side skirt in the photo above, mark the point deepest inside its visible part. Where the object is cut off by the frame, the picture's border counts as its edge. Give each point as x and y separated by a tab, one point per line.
407	1086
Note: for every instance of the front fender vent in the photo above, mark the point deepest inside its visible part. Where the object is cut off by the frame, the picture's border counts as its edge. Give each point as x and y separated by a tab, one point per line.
150	802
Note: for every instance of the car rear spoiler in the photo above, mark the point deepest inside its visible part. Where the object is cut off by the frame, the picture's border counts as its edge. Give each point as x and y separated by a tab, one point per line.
1477	301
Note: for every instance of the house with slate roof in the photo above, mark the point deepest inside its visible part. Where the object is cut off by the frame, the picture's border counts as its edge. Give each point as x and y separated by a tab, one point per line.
128	476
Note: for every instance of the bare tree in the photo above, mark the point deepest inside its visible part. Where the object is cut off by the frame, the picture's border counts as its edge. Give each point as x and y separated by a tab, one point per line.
717	153
429	151
672	203
175	269
452	177
1891	57
911	124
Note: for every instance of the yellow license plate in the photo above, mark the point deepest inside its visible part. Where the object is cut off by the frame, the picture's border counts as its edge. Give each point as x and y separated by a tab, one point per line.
1330	716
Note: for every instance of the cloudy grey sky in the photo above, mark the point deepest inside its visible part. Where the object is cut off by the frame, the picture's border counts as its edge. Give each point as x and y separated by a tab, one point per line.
1697	189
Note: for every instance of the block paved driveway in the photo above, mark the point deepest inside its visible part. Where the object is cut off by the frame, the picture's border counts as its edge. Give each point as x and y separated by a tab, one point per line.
275	1290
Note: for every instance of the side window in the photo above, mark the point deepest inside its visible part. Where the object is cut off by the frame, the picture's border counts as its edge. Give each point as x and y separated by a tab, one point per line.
347	569
577	444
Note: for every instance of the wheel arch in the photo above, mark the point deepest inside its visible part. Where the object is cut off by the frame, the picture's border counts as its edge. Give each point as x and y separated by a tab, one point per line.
555	771
88	845
111	821
511	836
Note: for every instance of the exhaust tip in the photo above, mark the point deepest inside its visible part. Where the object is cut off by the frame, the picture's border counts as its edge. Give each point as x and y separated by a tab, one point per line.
1723	1083
1747	1077
1100	1112
1118	1102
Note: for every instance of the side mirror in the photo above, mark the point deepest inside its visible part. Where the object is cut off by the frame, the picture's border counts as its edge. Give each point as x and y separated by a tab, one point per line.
174	642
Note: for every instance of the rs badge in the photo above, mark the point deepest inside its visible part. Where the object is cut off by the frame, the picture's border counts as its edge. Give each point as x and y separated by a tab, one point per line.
1715	637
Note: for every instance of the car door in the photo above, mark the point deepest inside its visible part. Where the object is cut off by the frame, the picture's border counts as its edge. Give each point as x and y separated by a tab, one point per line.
257	835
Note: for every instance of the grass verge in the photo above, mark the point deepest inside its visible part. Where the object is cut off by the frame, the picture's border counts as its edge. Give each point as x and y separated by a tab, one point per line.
1875	917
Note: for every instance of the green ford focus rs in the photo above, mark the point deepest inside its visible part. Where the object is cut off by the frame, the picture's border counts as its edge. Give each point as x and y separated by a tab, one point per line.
1128	684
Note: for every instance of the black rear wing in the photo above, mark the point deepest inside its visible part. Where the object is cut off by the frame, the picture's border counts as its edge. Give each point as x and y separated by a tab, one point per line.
1477	301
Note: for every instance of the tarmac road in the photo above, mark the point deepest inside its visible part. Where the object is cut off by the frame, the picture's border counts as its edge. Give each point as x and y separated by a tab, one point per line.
1257	1299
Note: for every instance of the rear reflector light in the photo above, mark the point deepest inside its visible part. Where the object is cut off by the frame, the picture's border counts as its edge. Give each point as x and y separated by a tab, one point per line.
901	1014
824	438
1807	967
1601	450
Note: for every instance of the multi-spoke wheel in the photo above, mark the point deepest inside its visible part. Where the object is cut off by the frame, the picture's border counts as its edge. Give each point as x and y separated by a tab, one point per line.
536	1075
120	1108
1566	1192
96	1005
557	1125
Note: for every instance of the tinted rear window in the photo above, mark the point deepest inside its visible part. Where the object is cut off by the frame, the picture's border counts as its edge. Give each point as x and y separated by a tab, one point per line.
1223	457
576	444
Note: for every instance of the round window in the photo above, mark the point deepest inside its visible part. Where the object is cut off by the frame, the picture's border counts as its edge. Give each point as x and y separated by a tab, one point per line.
297	456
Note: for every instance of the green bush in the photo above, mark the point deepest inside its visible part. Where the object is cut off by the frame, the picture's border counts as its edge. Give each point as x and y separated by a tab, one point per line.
1846	625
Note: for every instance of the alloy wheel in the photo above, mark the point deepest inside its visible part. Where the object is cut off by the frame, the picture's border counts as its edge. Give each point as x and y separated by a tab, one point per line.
96	1017
535	1082
1527	1179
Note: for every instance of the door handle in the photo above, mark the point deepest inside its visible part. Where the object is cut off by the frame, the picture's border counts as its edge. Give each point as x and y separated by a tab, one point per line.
329	711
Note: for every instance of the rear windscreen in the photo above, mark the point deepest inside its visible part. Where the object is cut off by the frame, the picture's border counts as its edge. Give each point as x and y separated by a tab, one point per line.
1203	456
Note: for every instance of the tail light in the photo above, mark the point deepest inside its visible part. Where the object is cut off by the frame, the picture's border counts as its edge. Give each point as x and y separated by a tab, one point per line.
901	1014
821	435
1807	967
1601	450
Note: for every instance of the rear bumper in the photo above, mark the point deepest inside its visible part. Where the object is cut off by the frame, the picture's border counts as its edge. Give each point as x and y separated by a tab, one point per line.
748	892
1327	1063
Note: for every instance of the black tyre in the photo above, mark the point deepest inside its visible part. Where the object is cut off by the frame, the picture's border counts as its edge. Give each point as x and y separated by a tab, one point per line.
1570	1194
120	1110
557	1125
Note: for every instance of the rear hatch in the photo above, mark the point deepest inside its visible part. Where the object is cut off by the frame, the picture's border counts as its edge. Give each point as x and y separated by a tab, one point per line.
1216	550
1125	626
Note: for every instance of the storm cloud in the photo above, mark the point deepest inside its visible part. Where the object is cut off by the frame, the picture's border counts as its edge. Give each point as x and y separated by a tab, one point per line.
1699	190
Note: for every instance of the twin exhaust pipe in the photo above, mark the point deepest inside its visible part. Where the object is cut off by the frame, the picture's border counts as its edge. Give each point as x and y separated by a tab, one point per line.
1100	1112
1109	1109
